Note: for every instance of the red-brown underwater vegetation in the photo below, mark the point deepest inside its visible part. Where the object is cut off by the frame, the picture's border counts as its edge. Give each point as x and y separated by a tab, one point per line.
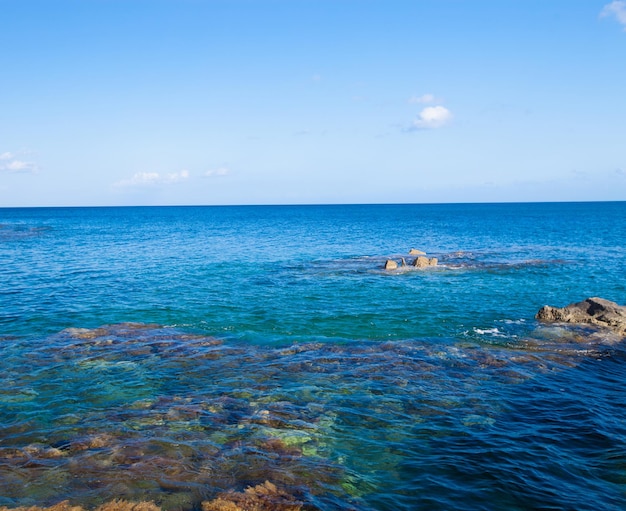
136	417
263	497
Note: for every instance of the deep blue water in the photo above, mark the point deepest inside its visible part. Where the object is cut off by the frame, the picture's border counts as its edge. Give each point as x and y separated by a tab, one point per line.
174	353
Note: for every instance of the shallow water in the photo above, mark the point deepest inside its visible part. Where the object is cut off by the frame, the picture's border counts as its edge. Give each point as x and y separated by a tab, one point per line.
267	343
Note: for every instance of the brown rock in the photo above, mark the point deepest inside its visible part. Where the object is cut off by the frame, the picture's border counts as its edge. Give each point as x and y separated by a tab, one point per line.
592	311
391	265
421	262
416	252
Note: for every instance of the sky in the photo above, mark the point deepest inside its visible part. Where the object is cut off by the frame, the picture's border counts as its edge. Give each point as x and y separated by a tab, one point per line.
211	102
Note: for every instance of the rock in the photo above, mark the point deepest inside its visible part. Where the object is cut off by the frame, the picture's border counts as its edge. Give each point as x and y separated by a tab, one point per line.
424	262
391	265
416	252
592	311
421	262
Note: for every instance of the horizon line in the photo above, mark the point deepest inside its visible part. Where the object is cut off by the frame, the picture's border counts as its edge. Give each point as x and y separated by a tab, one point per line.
314	204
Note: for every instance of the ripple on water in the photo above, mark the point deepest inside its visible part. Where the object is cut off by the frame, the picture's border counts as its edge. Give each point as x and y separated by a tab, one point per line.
149	413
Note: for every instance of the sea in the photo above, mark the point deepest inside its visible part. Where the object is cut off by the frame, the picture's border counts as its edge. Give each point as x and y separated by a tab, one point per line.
180	354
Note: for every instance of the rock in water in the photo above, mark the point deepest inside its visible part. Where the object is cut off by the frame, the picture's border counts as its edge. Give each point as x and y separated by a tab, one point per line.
423	262
391	265
414	251
592	311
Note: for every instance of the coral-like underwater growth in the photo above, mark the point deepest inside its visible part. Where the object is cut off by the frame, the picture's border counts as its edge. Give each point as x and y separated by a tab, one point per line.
263	497
161	419
114	505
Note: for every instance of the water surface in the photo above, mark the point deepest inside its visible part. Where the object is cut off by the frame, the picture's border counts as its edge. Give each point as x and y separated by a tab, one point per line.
170	354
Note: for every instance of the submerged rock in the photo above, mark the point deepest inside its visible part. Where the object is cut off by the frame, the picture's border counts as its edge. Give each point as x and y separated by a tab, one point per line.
592	311
416	252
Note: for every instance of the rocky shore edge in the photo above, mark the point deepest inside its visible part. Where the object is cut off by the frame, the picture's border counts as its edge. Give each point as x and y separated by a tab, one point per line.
592	311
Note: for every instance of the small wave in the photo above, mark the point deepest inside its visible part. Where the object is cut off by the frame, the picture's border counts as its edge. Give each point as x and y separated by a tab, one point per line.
489	331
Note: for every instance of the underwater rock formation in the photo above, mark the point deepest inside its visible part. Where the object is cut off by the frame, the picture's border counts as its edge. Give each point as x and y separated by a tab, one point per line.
263	497
208	417
592	311
114	505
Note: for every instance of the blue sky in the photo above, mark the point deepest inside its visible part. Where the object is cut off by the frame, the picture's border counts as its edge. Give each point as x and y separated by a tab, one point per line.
129	102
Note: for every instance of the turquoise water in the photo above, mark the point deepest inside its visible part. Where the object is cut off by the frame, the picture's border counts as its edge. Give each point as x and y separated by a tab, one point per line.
170	354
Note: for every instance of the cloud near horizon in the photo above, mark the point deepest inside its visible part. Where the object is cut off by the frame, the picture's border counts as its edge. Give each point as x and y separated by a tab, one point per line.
10	163
617	8
431	117
153	179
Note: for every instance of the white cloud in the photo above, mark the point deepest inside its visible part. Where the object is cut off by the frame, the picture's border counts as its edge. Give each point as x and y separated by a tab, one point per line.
616	8
423	99
432	117
176	177
10	163
153	179
222	171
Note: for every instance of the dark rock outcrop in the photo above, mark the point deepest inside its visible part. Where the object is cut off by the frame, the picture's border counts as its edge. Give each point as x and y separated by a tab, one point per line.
592	311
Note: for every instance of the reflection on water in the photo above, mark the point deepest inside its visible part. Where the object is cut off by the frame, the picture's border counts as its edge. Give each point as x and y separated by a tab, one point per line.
149	413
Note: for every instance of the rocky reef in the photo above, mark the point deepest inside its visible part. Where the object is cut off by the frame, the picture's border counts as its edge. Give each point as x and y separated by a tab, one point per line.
179	421
592	311
263	497
114	505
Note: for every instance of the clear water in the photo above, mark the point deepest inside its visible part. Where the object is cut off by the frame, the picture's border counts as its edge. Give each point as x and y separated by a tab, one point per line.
169	354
